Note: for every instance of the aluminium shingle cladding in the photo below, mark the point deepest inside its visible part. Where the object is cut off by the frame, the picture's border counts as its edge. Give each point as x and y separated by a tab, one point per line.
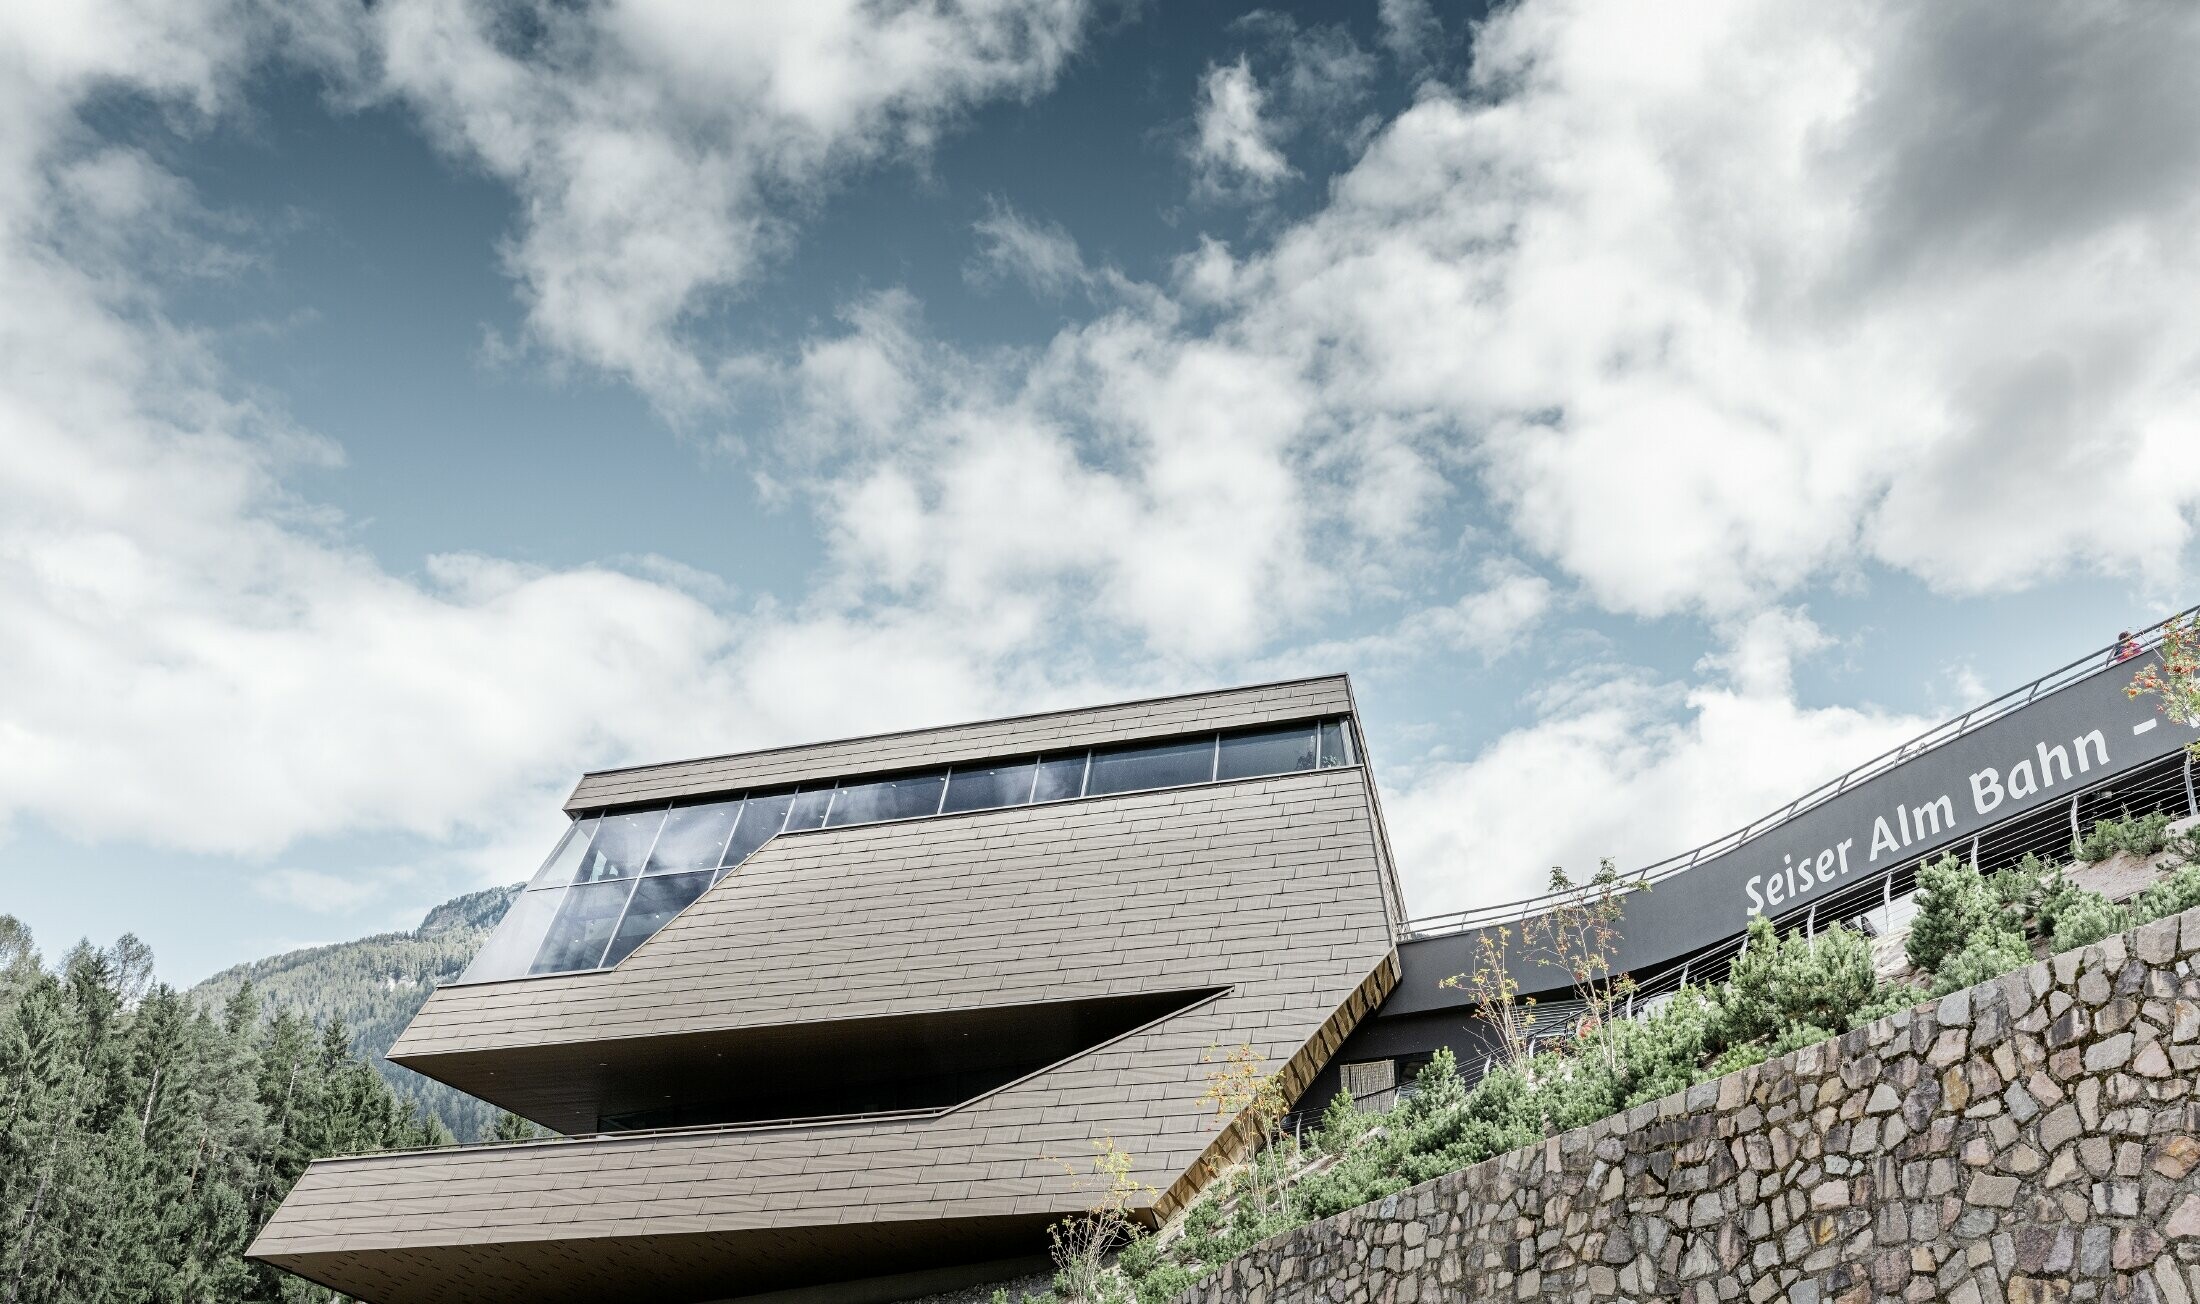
1102	896
1278	889
1059	730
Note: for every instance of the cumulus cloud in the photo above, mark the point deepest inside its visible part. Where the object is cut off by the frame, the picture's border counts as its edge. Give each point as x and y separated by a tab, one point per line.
662	149
203	662
1233	148
1626	765
1726	300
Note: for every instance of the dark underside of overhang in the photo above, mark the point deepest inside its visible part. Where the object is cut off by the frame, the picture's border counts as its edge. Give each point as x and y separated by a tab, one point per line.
853	1263
828	1068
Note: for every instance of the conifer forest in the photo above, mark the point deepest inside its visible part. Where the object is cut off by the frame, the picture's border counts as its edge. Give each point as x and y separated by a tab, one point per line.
145	1134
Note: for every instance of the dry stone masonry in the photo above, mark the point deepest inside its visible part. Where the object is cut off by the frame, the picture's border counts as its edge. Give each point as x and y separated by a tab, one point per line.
2034	1138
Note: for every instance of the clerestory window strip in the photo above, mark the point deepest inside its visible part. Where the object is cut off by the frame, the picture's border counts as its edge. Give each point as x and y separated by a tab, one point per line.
587	908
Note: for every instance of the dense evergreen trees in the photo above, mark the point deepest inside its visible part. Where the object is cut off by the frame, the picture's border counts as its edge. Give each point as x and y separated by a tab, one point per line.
144	1136
374	986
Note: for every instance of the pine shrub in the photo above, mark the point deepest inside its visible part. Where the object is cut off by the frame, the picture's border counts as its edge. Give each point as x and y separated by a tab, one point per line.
1779	983
1990	953
2173	895
1953	905
2088	919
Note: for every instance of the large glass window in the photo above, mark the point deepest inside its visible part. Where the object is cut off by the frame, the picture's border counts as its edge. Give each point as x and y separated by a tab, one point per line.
566	857
809	809
887	799
989	787
694	837
620	846
1151	765
1060	777
761	819
656	900
1266	751
510	950
1336	744
583	926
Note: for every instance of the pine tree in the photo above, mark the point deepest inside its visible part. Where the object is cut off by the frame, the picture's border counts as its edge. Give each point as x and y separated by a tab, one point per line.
144	1138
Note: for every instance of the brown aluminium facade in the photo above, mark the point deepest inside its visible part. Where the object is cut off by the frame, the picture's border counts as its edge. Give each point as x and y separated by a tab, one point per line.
874	1057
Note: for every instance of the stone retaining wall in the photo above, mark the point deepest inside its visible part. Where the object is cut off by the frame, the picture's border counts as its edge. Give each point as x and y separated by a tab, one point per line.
2033	1138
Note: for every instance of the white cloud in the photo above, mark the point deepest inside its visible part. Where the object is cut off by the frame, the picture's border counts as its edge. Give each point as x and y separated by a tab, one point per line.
310	889
1488	623
1041	255
1621	765
661	148
1725	300
1233	148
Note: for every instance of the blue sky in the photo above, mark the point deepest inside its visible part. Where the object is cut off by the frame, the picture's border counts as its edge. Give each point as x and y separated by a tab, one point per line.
404	409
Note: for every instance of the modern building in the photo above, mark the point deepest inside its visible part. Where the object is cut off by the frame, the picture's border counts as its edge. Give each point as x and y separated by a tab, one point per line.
846	1021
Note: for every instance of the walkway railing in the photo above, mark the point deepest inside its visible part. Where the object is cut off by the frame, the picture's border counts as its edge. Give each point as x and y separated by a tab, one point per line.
2017	699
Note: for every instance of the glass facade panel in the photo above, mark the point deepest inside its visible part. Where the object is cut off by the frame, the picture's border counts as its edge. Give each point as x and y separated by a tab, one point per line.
808	811
1151	765
1267	751
694	837
566	858
656	901
1335	749
761	819
991	787
583	925
887	799
511	949
620	846
1060	777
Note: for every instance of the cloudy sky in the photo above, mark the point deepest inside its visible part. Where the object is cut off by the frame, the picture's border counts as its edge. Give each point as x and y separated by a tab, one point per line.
406	407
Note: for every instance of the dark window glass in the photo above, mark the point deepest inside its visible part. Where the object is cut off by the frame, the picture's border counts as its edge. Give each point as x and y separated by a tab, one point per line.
887	799
1266	751
1151	765
1335	750
761	817
1060	777
656	901
621	844
577	939
694	837
518	936
987	789
809	809
565	858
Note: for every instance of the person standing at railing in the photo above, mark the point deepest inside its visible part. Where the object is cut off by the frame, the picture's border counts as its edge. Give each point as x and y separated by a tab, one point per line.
2127	647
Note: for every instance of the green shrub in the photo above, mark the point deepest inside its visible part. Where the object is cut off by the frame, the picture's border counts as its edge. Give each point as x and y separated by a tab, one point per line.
2173	895
2088	919
2141	835
1891	999
2021	888
1989	954
1343	1123
1797	1036
1953	905
1733	1060
1779	983
1659	1053
2058	895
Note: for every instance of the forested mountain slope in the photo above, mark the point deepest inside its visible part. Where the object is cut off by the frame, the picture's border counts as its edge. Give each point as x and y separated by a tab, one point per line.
375	985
